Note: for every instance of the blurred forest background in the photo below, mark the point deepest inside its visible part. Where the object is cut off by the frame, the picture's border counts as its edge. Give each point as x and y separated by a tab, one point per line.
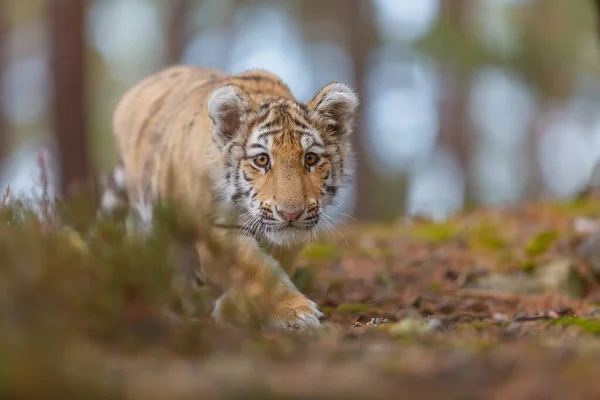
464	102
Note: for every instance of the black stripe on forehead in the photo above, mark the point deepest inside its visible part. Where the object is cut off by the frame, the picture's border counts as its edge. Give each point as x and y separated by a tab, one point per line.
273	124
272	127
263	115
269	129
312	142
266	134
299	123
277	113
312	136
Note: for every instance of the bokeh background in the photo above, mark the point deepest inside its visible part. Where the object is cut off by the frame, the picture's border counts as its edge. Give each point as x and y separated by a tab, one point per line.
464	102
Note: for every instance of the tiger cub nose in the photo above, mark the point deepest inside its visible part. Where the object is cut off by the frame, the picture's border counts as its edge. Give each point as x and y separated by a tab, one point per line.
289	215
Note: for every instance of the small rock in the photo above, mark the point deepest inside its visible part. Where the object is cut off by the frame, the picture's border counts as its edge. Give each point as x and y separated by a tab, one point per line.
522	317
589	250
557	275
435	324
377	321
512	330
500	317
410	326
594	313
586	225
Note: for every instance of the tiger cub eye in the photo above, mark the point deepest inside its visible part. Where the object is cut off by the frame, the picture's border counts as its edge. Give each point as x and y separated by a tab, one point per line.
311	159
261	160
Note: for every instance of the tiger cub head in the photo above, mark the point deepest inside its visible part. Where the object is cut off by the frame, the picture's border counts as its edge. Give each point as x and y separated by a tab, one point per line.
283	161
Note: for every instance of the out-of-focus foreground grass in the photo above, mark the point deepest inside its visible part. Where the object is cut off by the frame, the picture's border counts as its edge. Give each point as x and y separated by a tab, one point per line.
489	304
67	308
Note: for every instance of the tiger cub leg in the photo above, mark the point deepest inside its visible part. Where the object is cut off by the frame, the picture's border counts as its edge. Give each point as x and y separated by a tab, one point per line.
256	287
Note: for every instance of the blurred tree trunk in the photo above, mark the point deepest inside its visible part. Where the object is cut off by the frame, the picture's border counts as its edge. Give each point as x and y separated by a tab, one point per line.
359	36
538	123
455	127
3	59
359	41
69	102
455	124
177	30
597	4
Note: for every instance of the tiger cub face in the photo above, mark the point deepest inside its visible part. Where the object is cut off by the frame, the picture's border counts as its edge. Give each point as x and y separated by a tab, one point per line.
283	161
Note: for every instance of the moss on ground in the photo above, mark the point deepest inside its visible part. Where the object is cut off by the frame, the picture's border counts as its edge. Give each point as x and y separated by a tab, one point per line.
435	232
540	243
487	236
588	325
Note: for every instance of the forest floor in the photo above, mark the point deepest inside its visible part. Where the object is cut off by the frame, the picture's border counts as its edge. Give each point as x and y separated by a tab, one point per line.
491	304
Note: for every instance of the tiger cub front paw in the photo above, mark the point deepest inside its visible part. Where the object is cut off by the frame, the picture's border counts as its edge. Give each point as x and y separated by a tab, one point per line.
288	310
296	312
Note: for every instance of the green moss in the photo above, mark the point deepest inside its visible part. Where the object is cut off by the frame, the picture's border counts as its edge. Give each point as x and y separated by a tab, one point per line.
479	325
436	232
322	252
588	325
408	327
541	243
486	236
583	206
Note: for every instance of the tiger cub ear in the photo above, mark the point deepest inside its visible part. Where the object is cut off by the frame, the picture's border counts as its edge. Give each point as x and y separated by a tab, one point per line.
226	107
336	105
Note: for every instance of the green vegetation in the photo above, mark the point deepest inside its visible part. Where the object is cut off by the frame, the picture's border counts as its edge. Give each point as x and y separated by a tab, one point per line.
588	325
487	236
435	232
540	243
588	206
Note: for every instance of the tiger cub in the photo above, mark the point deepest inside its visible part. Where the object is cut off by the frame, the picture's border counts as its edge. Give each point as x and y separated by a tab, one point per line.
237	150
